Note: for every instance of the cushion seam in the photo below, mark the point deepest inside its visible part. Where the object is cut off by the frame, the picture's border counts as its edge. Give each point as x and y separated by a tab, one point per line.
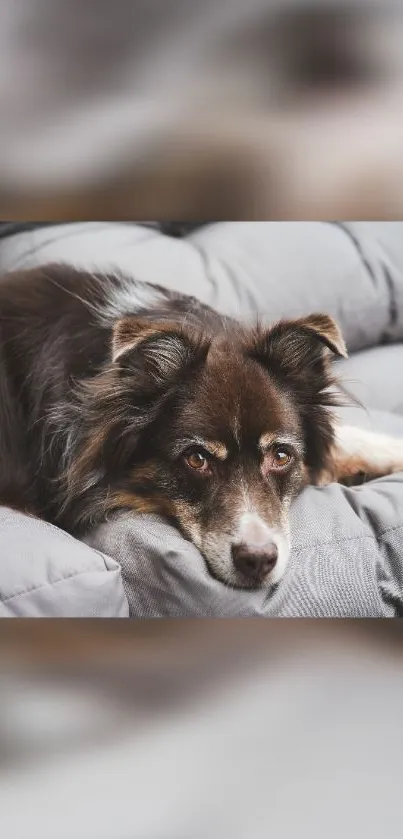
55	583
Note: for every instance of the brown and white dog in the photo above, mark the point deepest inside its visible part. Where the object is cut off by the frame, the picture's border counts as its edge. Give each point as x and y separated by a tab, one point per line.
117	395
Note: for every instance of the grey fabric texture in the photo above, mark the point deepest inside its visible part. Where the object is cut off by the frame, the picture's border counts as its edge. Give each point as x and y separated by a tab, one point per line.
346	561
347	554
45	572
277	269
373	377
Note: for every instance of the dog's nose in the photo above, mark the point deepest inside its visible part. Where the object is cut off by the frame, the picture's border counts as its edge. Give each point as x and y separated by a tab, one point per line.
254	563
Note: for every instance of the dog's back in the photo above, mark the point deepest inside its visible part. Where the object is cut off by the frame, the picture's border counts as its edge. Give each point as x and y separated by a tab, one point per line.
56	331
46	339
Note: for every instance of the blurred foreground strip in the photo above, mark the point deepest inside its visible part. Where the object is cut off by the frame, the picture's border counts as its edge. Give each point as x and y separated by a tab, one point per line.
201	729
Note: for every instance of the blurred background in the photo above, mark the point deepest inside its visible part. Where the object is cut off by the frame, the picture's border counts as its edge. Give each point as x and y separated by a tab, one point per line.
220	109
187	730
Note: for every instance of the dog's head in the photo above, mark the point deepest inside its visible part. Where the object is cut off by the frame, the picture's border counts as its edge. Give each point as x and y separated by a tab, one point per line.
220	433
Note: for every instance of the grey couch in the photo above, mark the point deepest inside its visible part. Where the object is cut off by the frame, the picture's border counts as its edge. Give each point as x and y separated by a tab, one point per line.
347	556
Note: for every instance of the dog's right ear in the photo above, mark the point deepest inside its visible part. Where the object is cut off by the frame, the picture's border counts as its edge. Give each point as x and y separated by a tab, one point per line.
157	354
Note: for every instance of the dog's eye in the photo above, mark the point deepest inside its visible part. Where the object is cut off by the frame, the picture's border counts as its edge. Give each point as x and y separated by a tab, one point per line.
279	457
198	460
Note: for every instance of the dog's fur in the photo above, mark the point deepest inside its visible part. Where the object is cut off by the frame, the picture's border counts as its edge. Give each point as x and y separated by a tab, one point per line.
113	393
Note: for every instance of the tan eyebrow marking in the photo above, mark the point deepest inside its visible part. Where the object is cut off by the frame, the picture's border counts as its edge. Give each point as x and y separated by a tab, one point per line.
266	440
270	437
216	448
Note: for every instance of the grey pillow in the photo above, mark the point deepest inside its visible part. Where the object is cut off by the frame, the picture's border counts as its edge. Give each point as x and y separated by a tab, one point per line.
46	573
285	269
373	377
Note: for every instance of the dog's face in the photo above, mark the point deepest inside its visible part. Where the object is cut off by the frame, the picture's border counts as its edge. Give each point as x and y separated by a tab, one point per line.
224	432
228	454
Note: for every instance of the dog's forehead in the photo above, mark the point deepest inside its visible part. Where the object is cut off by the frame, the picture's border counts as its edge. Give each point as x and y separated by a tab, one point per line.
235	400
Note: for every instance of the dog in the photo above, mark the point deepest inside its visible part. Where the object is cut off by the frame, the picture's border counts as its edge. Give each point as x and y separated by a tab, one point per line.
119	395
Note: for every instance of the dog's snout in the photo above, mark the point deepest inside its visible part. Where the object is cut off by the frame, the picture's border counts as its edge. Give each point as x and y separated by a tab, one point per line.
254	563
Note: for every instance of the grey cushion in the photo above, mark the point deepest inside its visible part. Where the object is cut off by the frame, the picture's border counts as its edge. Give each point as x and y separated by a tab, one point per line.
374	376
46	572
347	543
277	269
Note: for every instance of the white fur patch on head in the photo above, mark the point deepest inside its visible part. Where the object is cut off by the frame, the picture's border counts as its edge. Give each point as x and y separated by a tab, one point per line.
128	298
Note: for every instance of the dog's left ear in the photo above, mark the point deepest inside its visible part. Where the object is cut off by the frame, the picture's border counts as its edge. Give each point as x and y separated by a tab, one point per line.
297	346
297	354
325	329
